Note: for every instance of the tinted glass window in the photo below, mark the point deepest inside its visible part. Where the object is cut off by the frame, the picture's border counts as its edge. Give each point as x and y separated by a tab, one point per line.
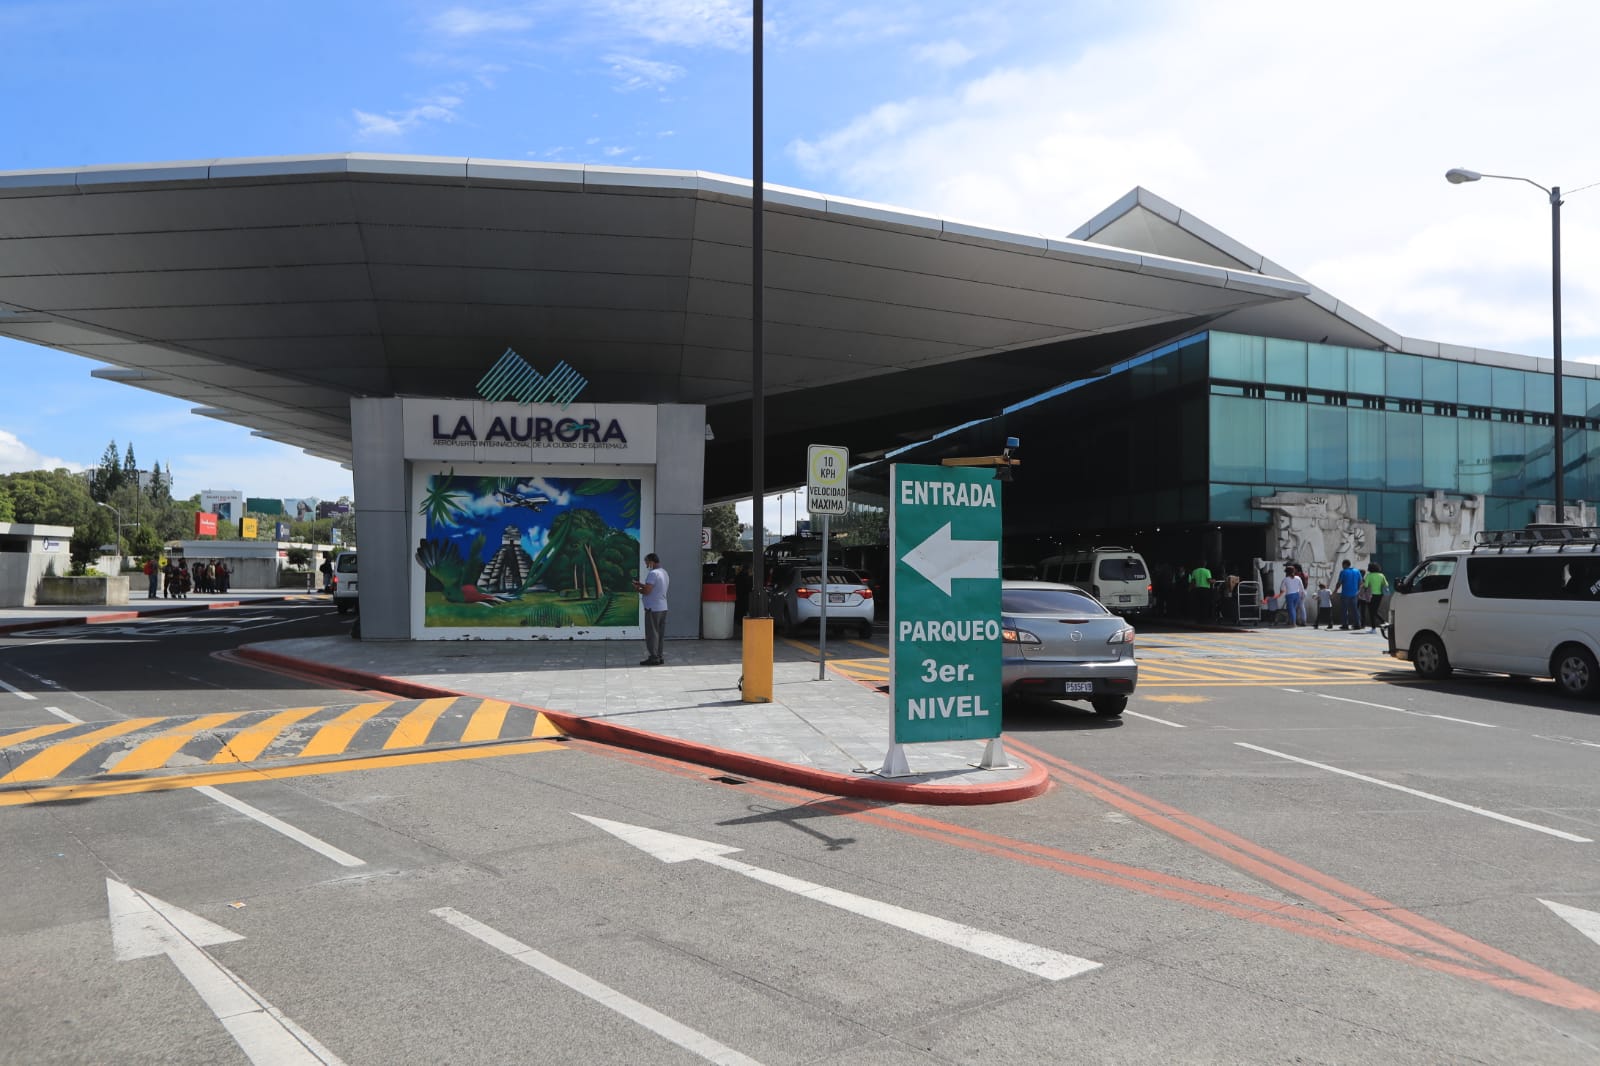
1048	601
835	577
347	564
1432	575
1122	570
1542	577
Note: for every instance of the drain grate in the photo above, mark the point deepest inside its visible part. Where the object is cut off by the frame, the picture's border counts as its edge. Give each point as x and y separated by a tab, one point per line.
727	780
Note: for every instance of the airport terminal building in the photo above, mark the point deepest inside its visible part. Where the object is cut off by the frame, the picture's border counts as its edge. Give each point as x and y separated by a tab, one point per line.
538	373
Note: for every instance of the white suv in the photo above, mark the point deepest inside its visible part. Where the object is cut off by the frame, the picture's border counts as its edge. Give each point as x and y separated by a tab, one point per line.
345	591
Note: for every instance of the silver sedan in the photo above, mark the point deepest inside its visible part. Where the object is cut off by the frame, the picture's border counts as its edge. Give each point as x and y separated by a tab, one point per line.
1061	643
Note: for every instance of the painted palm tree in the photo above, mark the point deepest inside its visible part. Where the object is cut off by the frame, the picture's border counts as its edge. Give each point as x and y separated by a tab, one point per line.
573	535
606	486
442	503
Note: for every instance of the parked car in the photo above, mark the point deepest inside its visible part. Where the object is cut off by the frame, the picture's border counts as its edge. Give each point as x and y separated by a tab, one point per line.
345	592
1525	603
1060	643
1117	577
797	599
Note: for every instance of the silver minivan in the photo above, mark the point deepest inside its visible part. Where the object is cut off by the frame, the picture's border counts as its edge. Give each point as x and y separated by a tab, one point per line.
1515	604
1116	576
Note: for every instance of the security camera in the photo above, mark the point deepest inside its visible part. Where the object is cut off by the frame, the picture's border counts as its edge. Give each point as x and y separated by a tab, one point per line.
1011	442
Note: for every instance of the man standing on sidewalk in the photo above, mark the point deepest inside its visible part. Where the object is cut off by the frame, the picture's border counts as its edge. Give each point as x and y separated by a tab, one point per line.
653	598
1349	587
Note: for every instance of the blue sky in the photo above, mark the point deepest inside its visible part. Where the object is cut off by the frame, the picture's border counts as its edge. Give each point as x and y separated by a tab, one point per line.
1317	136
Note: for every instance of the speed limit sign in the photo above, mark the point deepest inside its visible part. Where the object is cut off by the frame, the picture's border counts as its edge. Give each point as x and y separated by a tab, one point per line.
827	478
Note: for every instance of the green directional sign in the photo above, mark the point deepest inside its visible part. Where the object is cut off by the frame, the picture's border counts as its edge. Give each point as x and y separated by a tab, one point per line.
944	617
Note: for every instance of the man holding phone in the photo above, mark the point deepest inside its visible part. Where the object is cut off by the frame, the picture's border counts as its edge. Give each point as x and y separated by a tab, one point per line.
653	598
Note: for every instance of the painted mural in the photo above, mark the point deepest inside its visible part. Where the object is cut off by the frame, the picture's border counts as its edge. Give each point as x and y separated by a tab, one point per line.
529	552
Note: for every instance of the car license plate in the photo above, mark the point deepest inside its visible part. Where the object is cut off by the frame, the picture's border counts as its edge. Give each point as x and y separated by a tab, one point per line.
835	597
1077	686
1124	599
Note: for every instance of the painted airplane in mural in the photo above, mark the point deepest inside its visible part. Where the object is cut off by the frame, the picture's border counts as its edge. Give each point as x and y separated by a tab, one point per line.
531	500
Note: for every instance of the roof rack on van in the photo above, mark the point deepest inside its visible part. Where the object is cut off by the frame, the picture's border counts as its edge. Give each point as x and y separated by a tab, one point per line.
1538	536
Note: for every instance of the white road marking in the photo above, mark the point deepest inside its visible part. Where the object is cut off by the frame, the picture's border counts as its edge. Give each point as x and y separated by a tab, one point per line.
1423	795
691	1040
669	847
1585	922
299	836
1402	710
1567	740
1152	718
64	716
14	690
142	925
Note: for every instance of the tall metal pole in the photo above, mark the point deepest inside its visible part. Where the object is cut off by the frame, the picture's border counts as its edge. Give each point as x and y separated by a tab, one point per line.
1555	314
758	426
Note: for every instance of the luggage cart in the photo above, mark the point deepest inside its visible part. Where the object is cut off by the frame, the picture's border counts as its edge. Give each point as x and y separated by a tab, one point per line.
1247	603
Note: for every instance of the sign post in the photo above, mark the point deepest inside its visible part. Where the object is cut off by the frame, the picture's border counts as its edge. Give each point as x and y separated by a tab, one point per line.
944	616
827	493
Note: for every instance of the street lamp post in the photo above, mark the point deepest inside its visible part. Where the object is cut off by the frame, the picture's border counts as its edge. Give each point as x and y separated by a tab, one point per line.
118	513
1460	175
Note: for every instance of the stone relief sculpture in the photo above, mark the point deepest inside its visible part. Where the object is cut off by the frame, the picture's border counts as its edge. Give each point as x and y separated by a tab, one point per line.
1317	531
1445	523
1579	513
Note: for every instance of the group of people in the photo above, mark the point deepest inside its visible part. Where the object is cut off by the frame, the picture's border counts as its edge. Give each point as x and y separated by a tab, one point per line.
1360	594
178	579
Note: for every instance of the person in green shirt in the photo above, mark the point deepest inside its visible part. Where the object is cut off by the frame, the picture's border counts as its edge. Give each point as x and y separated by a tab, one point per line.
1374	587
1200	594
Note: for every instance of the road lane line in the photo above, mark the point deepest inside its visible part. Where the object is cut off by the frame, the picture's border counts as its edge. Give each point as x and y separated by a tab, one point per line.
334	737
1402	710
248	744
15	691
1152	718
1423	795
31	733
486	722
57	757
1585	922
691	1040
64	716
154	753
299	836
413	728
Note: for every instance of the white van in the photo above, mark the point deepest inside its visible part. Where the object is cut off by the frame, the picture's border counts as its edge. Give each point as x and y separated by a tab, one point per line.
1117	577
1522	602
346	590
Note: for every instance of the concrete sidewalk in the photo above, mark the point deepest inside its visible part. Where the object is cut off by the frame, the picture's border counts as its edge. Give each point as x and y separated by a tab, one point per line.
823	735
17	619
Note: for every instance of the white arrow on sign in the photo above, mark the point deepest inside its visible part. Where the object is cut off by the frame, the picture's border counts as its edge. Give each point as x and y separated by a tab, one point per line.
668	847
1585	922
941	558
142	925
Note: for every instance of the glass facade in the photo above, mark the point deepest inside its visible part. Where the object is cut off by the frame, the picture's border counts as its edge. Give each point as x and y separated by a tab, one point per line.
1388	427
1166	449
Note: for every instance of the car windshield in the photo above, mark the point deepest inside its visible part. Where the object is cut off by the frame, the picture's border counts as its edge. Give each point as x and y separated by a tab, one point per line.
835	577
1125	569
347	564
1048	601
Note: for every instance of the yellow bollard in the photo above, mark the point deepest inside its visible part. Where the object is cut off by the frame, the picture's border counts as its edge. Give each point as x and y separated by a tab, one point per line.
756	685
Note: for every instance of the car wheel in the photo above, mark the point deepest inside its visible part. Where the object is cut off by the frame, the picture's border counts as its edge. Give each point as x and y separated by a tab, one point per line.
1576	672
866	630
1429	658
342	608
1110	706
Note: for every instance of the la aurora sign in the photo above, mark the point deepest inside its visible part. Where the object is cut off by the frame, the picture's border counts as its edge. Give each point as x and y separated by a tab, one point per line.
483	431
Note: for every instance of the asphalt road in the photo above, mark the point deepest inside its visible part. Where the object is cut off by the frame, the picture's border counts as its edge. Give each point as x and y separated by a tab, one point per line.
1232	874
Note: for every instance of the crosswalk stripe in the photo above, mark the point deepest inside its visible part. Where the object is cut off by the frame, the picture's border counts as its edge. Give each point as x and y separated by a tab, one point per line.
332	738
33	733
412	730
155	752
486	722
58	757
248	744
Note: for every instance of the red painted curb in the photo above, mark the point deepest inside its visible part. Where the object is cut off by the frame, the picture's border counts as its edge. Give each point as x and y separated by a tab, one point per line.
864	786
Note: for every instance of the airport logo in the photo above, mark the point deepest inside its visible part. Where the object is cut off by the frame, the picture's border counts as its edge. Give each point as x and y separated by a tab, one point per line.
514	378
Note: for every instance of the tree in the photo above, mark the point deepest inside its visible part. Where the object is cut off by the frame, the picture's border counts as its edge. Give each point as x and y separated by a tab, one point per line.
130	469
7	511
723	521
107	477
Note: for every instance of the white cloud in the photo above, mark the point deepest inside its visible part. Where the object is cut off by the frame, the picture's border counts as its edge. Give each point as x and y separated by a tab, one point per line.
16	456
633	73
470	22
693	23
440	109
947	54
1319	141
